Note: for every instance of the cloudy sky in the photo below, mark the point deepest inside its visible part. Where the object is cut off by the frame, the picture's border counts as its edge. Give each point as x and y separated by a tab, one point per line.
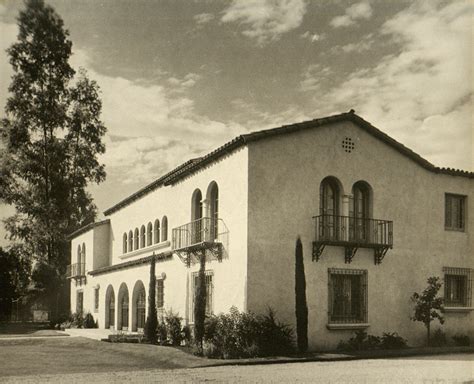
180	78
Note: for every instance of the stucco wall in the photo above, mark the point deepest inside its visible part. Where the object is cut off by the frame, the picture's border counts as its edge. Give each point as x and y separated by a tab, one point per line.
285	173
229	276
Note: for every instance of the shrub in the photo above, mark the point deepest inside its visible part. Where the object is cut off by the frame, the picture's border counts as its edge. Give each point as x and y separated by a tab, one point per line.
392	341
162	332
173	327
187	335
462	340
89	321
239	334
77	320
438	339
151	322
361	341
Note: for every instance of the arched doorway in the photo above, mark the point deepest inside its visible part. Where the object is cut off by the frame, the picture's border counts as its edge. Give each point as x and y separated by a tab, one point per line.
123	305
330	194
196	216
138	306
360	211
213	199
109	307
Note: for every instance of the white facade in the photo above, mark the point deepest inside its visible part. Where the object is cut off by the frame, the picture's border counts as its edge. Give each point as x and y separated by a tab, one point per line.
269	188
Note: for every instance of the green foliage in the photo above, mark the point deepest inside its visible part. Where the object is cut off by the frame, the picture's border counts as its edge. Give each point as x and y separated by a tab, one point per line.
89	321
200	304
51	136
462	340
438	339
361	341
301	308
15	272
151	323
428	305
238	334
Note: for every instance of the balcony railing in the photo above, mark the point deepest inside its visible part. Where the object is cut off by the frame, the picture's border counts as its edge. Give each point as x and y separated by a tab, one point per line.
76	270
360	231
204	230
352	233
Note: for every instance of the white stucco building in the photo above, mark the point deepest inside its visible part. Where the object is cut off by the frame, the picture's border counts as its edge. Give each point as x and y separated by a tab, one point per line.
376	220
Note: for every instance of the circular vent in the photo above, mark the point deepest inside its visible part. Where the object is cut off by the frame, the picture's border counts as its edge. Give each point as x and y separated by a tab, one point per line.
348	145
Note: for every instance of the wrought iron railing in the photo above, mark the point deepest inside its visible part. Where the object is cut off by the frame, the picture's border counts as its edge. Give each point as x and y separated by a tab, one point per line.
204	230
76	270
348	229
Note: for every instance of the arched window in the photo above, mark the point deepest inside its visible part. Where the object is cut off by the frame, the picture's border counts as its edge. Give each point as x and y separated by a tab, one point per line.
213	199
330	223
78	255
157	231
164	228
123	303
125	247
137	239
149	234
141	305
196	216
130	241
359	212
142	237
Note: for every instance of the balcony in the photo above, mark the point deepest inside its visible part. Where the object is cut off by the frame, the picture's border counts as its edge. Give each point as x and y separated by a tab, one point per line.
76	271
205	236
352	233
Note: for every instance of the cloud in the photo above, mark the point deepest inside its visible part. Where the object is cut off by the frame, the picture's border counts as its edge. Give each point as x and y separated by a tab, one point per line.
421	95
354	13
312	37
9	33
362	45
314	77
265	20
204	18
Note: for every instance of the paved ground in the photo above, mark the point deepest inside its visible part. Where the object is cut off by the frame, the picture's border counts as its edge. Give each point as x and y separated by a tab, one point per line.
435	369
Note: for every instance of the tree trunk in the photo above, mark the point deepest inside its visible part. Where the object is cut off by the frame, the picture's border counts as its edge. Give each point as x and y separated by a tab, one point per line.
200	303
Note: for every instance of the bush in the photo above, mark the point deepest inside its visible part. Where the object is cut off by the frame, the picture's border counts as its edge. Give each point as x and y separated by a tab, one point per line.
462	340
438	339
238	334
173	327
162	332
89	321
361	341
187	335
393	341
77	320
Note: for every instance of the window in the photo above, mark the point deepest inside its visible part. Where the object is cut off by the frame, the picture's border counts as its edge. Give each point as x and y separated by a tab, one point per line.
160	296
130	241
164	228
125	243
209	292
329	209
96	299
149	234
347	296
137	239
124	311
454	212
142	237
359	204
213	197
157	231
457	287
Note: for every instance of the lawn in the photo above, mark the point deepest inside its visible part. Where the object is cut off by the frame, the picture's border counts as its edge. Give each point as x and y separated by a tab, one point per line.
56	355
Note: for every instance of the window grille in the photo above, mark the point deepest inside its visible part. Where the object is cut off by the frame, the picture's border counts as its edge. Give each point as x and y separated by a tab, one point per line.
209	293
455	212
347	302
457	287
160	294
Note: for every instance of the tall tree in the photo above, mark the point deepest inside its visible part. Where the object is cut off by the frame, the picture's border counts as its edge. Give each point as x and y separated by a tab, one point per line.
301	308
428	305
151	324
52	135
200	303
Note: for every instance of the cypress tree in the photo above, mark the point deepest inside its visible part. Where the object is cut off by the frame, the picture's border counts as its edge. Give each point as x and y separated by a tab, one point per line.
151	324
301	309
200	303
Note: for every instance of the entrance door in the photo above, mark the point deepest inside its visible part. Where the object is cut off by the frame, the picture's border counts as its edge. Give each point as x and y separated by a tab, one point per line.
80	302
